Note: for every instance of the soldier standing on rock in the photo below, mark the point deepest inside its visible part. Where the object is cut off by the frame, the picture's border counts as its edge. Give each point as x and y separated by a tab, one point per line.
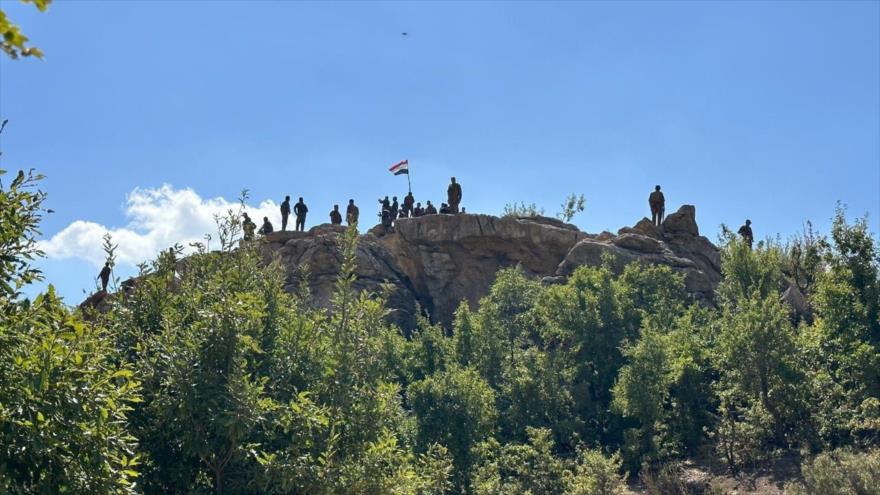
248	226
746	232
300	209
285	212
430	209
658	206
453	196
335	216
105	276
395	208
267	227
386	219
352	213
408	202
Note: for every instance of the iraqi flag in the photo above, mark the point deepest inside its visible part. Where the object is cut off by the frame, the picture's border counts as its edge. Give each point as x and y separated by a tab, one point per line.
400	168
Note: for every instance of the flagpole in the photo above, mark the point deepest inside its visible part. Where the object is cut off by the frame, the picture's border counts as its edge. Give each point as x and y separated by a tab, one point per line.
408	183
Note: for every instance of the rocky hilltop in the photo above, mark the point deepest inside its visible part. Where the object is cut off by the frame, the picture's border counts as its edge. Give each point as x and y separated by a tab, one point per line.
436	261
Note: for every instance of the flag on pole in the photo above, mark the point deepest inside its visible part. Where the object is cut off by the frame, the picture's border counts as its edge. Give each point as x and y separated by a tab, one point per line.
400	168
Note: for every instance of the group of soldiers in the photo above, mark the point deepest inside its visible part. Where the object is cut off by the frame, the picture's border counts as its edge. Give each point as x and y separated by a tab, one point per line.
658	208
391	211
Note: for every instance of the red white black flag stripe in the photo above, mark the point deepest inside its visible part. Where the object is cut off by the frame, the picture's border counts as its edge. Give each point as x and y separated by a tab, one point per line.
400	168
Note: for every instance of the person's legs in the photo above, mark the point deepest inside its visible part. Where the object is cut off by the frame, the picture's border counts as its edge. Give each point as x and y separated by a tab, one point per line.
283	223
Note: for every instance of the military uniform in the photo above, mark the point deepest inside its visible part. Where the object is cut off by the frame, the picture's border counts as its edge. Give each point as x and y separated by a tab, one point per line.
658	206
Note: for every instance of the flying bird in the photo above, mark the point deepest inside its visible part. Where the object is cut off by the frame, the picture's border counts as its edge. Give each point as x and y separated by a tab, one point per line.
403	33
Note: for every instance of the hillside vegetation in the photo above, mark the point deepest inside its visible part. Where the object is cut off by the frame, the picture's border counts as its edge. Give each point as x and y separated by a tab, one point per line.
206	376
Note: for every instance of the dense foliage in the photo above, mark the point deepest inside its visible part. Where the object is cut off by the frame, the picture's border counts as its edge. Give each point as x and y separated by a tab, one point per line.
206	376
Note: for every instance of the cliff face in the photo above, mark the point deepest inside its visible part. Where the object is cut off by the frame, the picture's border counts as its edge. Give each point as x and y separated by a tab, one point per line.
438	260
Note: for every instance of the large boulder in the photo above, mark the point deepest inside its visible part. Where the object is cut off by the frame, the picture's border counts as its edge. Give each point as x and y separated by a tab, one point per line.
684	221
589	252
644	227
437	261
318	255
450	258
638	242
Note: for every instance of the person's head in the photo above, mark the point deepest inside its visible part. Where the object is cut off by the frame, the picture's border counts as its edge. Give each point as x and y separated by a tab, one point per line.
453	180
107	264
429	202
335	207
266	219
657	188
419	205
246	217
351	201
394	198
300	200
286	198
748	222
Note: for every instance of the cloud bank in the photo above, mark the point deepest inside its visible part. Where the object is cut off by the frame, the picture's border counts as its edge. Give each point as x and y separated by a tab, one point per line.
157	219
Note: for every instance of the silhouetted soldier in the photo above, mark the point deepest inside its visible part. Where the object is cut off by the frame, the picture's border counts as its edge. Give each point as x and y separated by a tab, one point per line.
352	213
444	209
300	209
463	210
386	204
105	276
658	205
335	216
285	212
395	208
408	202
430	210
267	227
249	227
453	196
746	232
418	210
386	219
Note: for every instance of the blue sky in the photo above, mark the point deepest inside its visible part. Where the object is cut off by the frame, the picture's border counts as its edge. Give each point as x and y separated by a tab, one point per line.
763	110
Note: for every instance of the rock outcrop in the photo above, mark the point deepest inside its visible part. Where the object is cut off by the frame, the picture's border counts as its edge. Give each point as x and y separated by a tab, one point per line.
435	262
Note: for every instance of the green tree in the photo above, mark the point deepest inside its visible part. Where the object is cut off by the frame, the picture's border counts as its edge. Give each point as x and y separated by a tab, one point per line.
844	342
762	383
519	469
455	408
64	394
532	468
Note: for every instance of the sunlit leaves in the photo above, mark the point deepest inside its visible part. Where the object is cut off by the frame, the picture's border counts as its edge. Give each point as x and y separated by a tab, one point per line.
14	42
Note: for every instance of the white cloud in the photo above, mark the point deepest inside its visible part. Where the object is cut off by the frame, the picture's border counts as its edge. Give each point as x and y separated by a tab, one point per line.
157	219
